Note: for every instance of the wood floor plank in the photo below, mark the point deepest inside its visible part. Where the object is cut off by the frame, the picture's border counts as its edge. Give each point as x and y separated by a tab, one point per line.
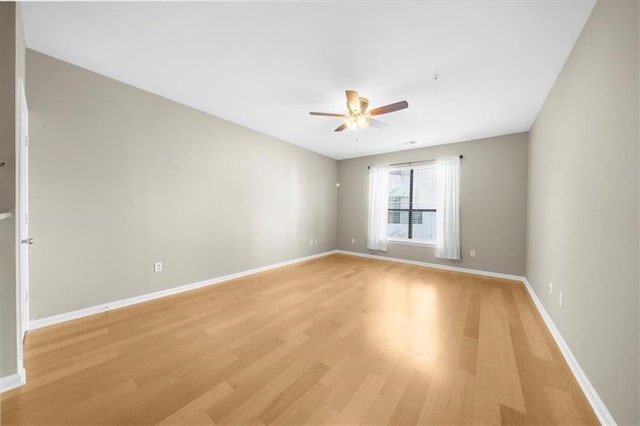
298	388
409	407
250	409
195	411
360	403
335	340
380	411
301	410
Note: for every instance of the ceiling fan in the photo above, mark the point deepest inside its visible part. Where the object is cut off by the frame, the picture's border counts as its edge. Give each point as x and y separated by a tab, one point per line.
358	116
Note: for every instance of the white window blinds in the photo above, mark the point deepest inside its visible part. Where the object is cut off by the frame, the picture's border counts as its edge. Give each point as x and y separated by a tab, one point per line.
412	204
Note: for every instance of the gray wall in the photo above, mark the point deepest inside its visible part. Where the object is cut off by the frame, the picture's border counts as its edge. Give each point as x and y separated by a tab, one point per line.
7	189
12	65
493	199
121	178
583	204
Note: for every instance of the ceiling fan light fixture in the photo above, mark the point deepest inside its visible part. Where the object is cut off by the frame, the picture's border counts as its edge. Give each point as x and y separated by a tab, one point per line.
362	121
351	123
357	121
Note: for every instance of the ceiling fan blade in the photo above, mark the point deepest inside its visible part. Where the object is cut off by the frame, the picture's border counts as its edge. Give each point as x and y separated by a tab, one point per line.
353	101
329	114
376	123
364	103
342	127
389	108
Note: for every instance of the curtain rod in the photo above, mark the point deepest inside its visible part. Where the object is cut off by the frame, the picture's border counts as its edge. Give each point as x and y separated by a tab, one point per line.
409	163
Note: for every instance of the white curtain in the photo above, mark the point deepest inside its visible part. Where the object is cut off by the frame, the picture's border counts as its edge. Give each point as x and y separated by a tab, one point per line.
378	206
447	209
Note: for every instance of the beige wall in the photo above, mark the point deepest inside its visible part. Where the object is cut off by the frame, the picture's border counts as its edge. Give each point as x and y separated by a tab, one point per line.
8	68
7	182
121	178
12	66
583	204
492	202
20	47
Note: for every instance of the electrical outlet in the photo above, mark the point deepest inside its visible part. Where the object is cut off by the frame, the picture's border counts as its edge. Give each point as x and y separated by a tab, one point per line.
316	242
472	253
157	267
561	301
550	288
310	242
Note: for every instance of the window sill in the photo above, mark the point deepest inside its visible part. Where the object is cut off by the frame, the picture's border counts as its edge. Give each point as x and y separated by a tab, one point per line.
412	243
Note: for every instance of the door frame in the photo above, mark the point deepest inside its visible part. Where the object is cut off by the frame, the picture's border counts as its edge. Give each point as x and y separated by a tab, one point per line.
22	222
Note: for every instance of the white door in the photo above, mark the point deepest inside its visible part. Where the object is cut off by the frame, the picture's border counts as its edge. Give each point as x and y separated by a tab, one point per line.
23	224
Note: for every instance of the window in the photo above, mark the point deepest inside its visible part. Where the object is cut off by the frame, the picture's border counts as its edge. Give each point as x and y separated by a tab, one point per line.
412	204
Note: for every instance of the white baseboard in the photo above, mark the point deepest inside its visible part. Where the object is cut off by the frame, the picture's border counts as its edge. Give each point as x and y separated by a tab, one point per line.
601	411
594	399
56	319
435	265
13	381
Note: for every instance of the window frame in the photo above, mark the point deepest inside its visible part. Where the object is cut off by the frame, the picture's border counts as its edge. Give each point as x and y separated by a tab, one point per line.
410	241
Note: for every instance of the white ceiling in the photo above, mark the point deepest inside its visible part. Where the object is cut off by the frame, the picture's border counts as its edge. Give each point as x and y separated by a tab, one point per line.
266	65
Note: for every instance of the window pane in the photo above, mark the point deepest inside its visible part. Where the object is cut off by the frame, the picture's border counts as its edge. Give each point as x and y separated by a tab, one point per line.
424	226
394	217
399	229
424	188
399	189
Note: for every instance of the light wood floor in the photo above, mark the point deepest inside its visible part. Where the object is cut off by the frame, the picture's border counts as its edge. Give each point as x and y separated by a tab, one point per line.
337	340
